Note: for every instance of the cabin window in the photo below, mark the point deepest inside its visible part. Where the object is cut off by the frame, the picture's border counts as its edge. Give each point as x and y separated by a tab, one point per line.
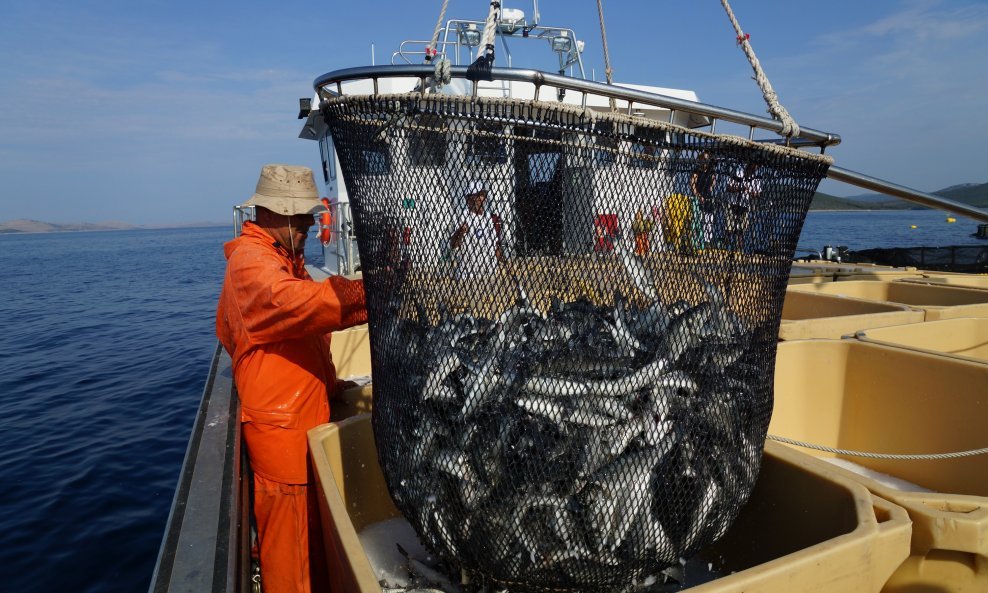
606	142
488	145
542	166
376	162
427	142
328	157
646	148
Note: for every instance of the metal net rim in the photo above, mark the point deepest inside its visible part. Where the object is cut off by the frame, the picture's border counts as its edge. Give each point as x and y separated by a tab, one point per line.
512	108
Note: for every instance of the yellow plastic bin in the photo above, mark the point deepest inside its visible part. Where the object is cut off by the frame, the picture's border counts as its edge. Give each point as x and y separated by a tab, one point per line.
352	402
959	280
351	355
807	528
351	352
805	275
939	302
852	395
809	315
965	339
886	275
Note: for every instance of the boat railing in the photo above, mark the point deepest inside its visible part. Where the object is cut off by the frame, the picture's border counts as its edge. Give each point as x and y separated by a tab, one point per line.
241	214
206	544
338	251
406	53
330	85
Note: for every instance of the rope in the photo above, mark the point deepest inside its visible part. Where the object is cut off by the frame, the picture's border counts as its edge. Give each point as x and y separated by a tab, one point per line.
789	126
481	67
608	72
919	456
444	72
430	52
490	28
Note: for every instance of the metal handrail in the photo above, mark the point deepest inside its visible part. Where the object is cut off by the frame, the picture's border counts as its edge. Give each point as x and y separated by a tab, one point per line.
589	87
404	53
806	136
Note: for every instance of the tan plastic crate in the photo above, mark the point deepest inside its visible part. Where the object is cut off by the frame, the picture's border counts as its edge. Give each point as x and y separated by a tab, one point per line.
883	275
351	352
939	302
352	402
810	315
852	395
806	529
965	339
804	275
959	280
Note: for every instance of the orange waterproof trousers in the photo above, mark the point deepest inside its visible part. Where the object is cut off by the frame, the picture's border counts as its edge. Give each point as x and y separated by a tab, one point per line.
289	537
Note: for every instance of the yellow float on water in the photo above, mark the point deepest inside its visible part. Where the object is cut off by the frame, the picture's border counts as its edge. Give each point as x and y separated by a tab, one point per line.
951	219
912	226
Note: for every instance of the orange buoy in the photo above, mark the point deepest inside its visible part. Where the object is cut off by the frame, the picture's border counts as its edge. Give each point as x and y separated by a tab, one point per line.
325	223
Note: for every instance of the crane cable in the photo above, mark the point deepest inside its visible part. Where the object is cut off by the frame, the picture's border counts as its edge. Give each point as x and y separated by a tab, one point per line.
789	126
608	72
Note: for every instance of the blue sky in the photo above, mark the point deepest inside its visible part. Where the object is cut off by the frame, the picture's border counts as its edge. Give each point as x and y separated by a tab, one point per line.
153	111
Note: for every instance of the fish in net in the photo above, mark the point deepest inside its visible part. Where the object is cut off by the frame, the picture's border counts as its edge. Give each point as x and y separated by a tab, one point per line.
573	322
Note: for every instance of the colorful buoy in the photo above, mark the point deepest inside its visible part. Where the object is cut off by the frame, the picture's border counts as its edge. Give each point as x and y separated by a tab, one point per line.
951	219
912	226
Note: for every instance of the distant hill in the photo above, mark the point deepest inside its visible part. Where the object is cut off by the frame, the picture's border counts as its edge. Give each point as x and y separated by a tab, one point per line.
822	201
975	194
37	226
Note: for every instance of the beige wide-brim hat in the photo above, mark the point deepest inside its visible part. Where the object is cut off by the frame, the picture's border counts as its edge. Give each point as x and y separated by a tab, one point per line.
286	189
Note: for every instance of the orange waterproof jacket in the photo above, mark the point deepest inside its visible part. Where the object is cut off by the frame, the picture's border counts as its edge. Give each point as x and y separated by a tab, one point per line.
275	321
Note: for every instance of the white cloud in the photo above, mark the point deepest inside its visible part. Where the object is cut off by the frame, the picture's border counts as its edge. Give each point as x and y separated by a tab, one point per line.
928	22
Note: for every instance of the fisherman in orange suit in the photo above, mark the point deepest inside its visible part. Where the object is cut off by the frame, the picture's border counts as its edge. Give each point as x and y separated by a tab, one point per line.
275	322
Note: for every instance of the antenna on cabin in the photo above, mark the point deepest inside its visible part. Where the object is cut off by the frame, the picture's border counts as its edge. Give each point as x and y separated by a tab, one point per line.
372	54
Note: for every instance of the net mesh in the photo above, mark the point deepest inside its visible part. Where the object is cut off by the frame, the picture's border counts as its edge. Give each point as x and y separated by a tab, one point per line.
572	373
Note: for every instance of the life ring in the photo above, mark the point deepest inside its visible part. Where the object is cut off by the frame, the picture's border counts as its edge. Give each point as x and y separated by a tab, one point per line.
325	223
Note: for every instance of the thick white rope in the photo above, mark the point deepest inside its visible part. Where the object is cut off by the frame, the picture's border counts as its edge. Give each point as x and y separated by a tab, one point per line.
608	72
431	50
443	67
917	456
444	72
490	27
789	126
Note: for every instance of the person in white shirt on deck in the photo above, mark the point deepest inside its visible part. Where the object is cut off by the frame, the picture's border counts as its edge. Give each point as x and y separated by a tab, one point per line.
476	242
745	187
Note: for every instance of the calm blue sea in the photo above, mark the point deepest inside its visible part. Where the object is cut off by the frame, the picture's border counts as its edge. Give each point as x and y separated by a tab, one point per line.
105	342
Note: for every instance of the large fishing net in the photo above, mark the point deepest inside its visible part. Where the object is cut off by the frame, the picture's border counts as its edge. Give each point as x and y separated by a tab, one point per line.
573	369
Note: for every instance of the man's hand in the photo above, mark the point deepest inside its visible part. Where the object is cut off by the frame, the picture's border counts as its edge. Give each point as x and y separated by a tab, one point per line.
457	239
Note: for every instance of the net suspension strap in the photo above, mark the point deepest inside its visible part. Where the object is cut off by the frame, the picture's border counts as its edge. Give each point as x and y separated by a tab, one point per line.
443	72
789	126
608	72
490	29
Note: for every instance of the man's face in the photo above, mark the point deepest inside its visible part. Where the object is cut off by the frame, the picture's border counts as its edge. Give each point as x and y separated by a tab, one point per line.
475	202
294	230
